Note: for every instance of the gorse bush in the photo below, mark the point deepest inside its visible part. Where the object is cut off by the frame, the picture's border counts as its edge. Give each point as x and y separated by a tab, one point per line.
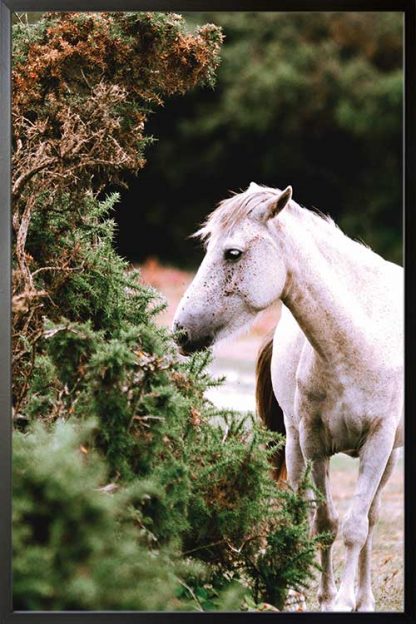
131	491
83	88
76	546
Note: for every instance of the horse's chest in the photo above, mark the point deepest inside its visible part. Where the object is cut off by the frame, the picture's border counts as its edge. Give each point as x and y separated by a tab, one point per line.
334	417
346	419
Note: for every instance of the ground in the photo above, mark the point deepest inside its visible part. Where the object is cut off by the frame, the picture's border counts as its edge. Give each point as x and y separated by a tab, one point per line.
236	360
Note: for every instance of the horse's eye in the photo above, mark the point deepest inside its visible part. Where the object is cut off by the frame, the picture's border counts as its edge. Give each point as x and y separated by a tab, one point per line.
232	254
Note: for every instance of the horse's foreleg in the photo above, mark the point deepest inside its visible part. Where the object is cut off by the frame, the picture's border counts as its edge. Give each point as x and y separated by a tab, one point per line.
373	460
296	465
365	597
325	520
295	462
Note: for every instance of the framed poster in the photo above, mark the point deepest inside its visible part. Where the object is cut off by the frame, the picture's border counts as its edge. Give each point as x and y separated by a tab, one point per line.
136	485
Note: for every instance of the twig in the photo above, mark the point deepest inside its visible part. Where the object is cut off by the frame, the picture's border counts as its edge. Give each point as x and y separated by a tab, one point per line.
188	552
56	268
86	81
25	177
227	428
192	594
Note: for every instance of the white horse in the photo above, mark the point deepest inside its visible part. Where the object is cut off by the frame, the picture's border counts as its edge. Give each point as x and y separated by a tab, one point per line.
336	359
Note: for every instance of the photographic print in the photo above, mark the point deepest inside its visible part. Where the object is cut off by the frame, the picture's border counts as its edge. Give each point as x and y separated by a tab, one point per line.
207	311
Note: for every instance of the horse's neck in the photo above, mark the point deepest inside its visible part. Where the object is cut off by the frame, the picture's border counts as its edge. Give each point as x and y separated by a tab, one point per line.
326	274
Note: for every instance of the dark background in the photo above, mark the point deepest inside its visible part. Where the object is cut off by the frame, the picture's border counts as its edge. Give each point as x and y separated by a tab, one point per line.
308	99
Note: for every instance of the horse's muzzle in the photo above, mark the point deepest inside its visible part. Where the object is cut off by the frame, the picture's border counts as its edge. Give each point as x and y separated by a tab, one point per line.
186	344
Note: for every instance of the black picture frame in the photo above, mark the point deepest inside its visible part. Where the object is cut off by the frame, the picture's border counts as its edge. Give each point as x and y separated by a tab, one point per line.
408	8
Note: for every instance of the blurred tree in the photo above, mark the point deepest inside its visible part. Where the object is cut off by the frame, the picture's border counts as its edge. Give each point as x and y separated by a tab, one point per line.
310	99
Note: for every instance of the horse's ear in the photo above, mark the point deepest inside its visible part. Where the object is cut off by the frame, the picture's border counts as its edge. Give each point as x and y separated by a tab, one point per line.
253	186
278	204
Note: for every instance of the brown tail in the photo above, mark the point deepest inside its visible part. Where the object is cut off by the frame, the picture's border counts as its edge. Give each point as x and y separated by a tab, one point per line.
268	408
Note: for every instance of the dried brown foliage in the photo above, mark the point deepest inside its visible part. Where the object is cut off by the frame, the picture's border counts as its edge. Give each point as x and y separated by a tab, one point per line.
83	85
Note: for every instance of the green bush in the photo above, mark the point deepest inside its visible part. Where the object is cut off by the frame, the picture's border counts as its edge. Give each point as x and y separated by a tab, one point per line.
75	545
131	491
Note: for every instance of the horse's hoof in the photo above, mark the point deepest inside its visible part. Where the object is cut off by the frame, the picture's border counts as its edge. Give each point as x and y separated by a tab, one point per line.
327	605
366	605
343	606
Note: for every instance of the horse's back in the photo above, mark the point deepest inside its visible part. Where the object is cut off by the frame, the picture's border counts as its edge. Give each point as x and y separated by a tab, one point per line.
382	300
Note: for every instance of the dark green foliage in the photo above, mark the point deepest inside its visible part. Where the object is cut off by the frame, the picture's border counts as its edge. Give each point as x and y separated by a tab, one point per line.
287	551
131	491
75	545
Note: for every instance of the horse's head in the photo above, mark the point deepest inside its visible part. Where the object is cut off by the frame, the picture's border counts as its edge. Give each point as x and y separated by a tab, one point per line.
242	272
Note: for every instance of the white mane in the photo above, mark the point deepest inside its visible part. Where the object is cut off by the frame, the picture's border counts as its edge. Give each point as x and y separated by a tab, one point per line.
231	211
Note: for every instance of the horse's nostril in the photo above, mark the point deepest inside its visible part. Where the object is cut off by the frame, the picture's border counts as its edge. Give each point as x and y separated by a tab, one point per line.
181	335
204	343
188	344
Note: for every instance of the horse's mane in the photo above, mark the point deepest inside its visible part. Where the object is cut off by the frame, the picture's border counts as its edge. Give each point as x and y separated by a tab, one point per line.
232	210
